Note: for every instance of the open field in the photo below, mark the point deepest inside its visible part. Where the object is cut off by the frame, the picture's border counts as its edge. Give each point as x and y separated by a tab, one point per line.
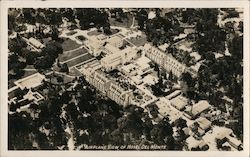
28	73
95	32
68	55
126	22
79	60
140	41
69	44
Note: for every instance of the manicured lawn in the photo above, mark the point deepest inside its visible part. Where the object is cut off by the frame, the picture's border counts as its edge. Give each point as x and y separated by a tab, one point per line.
74	72
95	32
78	60
69	44
28	73
139	41
126	23
68	55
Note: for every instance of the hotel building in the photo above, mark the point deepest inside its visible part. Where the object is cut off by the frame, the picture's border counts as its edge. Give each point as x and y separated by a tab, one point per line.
169	63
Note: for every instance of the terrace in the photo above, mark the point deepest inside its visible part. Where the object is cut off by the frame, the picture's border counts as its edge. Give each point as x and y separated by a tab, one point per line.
120	79
57	78
179	102
140	98
30	81
193	111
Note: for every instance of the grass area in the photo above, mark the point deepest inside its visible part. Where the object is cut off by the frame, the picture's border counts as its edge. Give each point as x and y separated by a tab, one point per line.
74	72
46	40
69	44
140	41
68	55
79	60
29	67
28	73
125	23
71	33
11	83
95	32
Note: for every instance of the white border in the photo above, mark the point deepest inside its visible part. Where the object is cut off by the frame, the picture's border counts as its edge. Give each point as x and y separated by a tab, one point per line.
130	4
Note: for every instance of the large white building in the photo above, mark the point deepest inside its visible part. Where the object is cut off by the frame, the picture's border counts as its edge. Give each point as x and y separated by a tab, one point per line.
118	94
117	89
115	56
94	46
115	41
99	81
154	54
34	44
169	63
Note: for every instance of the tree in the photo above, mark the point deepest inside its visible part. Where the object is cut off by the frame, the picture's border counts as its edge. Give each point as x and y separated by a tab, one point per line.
53	17
19	130
187	78
235	47
180	123
48	55
12	15
43	63
16	44
29	15
64	68
153	109
55	34
161	131
89	18
141	17
29	55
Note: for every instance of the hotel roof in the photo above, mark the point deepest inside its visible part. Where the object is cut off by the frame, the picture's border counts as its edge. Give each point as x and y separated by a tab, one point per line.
200	107
111	49
179	102
36	43
203	123
115	39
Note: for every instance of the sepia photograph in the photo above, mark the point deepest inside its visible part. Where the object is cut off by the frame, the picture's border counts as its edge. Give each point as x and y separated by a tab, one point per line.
125	79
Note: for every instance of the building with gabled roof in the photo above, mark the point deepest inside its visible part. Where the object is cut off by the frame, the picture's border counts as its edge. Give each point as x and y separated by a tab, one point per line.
204	123
168	62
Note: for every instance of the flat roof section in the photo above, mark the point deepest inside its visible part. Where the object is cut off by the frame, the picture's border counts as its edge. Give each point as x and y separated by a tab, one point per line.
30	81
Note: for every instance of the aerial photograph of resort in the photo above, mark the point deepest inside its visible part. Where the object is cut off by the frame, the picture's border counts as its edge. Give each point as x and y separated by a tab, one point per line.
166	79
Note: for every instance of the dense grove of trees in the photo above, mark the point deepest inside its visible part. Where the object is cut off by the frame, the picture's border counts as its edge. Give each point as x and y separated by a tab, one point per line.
53	17
160	29
48	56
92	119
21	56
89	18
